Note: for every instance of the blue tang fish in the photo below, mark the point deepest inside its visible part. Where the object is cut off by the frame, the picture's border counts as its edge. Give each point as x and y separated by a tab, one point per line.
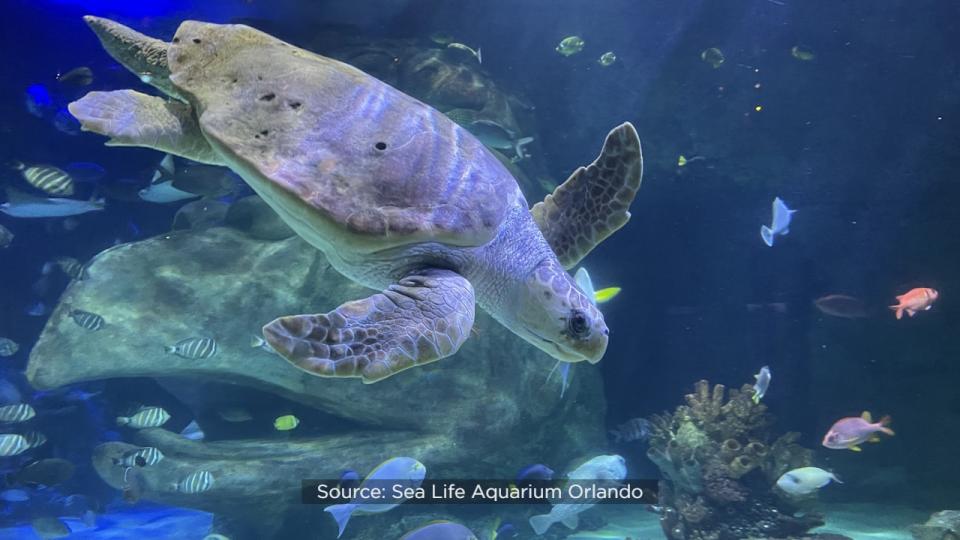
440	530
781	222
405	471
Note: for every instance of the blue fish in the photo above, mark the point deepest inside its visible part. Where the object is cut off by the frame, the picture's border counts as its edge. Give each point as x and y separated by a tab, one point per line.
23	205
36	309
505	532
65	122
781	222
83	171
350	478
39	101
537	471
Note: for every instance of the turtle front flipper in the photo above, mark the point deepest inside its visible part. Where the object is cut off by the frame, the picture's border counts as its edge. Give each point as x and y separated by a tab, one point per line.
421	319
595	201
130	118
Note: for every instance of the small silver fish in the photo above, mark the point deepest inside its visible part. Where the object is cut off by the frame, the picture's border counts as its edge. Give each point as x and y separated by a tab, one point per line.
146	417
257	342
12	444
195	482
79	76
763	382
635	429
607	59
23	205
194	348
6	237
8	347
35	438
474	53
141	457
87	320
18	412
47	178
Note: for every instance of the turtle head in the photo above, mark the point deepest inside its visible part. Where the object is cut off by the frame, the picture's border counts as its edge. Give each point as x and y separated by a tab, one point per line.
556	316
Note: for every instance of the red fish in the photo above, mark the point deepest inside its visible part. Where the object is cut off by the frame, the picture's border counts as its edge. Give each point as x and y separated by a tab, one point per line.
849	433
919	299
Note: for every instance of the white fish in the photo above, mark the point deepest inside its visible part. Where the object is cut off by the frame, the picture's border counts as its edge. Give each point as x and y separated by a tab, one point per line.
195	482
404	471
805	480
21	205
147	417
12	444
18	412
609	469
161	188
193	432
474	53
257	342
8	347
781	222
763	382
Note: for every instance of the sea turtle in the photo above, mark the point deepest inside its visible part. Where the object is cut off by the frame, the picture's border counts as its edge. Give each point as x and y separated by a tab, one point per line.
396	195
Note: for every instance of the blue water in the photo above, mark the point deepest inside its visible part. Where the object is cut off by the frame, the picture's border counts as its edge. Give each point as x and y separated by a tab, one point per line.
847	111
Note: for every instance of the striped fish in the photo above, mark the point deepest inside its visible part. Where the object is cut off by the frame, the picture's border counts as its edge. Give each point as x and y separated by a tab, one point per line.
87	320
141	457
147	417
194	348
195	482
18	412
68	265
48	178
12	444
35	438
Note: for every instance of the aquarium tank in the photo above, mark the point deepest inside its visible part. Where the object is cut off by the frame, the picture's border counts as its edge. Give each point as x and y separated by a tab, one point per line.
480	270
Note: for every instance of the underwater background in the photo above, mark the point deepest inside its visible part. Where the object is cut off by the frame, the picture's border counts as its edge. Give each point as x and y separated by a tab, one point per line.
846	111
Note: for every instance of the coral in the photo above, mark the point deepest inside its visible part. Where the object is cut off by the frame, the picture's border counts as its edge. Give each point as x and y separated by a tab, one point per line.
741	465
718	466
943	525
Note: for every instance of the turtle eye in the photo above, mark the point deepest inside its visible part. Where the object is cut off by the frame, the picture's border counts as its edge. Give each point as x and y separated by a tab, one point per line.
577	324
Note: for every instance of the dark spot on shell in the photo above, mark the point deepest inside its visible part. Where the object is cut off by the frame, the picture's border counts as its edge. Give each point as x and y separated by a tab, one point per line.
234	81
196	40
547	294
259	77
176	40
380	146
265	132
295	104
268	97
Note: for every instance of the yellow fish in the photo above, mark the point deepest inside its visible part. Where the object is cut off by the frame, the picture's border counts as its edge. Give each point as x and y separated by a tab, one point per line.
286	422
684	160
582	278
606	295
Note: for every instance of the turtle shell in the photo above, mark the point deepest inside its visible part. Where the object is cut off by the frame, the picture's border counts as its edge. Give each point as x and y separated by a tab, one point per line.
334	150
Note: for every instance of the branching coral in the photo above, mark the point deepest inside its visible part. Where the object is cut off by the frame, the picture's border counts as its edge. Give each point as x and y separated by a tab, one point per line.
719	467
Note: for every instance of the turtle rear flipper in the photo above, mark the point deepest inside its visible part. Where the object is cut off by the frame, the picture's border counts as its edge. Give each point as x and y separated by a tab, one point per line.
421	319
594	202
130	118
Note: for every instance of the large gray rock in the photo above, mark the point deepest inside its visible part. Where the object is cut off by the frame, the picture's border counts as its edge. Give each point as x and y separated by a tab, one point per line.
943	525
483	413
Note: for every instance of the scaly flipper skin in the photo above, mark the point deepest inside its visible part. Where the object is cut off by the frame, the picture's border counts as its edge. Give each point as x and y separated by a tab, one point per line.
130	118
421	319
594	202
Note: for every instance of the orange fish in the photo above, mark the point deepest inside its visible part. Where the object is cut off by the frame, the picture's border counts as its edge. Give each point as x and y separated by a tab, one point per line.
919	299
